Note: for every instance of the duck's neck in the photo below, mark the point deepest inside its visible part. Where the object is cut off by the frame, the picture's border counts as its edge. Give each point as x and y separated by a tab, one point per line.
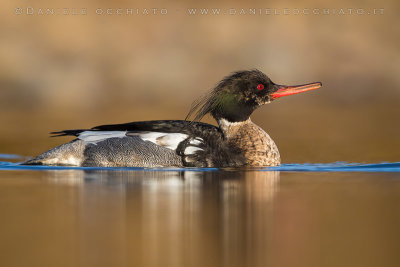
230	129
256	145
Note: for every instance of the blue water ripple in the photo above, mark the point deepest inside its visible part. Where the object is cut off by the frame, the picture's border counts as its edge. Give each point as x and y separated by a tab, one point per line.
293	167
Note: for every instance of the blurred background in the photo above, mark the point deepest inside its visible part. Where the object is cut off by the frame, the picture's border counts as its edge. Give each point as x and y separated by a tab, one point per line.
80	70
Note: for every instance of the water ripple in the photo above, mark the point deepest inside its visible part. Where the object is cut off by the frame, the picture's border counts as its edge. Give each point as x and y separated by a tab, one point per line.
292	167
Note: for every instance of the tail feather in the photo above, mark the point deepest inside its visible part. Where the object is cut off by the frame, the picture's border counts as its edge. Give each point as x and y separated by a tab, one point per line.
67	132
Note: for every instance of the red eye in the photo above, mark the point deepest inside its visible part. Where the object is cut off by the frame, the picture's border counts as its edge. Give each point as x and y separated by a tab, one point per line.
260	87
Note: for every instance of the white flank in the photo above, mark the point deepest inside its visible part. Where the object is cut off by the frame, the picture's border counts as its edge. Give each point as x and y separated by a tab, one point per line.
94	137
70	161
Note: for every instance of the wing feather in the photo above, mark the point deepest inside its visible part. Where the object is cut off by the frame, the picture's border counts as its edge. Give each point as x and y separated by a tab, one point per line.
166	126
199	144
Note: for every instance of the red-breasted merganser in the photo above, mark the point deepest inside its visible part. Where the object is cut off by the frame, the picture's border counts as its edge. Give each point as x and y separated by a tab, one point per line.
182	143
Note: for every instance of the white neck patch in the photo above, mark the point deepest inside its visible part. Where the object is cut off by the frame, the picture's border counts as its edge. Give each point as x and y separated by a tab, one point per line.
225	124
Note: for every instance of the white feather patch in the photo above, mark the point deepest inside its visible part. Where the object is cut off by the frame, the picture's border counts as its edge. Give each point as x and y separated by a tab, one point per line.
196	141
168	140
191	150
70	161
193	146
94	137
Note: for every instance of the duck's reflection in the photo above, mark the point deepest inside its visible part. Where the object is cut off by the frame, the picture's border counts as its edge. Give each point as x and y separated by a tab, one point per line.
175	218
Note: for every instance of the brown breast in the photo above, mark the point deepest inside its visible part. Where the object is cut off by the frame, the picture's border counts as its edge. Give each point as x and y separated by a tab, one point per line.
257	146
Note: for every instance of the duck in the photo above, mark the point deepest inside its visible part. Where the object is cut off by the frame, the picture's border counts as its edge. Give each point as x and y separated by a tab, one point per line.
235	142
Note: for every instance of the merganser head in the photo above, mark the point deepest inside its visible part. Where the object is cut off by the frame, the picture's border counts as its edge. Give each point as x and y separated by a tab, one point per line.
239	94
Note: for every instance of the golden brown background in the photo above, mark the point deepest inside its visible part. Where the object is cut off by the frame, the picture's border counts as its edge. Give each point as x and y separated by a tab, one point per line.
77	71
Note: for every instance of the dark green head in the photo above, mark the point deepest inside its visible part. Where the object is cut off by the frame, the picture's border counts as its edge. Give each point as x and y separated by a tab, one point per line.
238	95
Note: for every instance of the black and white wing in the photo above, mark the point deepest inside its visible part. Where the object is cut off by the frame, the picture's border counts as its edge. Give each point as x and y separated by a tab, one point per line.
198	144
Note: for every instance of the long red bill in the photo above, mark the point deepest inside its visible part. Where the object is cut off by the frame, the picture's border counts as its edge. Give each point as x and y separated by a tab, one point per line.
284	90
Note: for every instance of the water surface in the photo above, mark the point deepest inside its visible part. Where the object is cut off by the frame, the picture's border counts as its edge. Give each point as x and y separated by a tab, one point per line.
336	214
